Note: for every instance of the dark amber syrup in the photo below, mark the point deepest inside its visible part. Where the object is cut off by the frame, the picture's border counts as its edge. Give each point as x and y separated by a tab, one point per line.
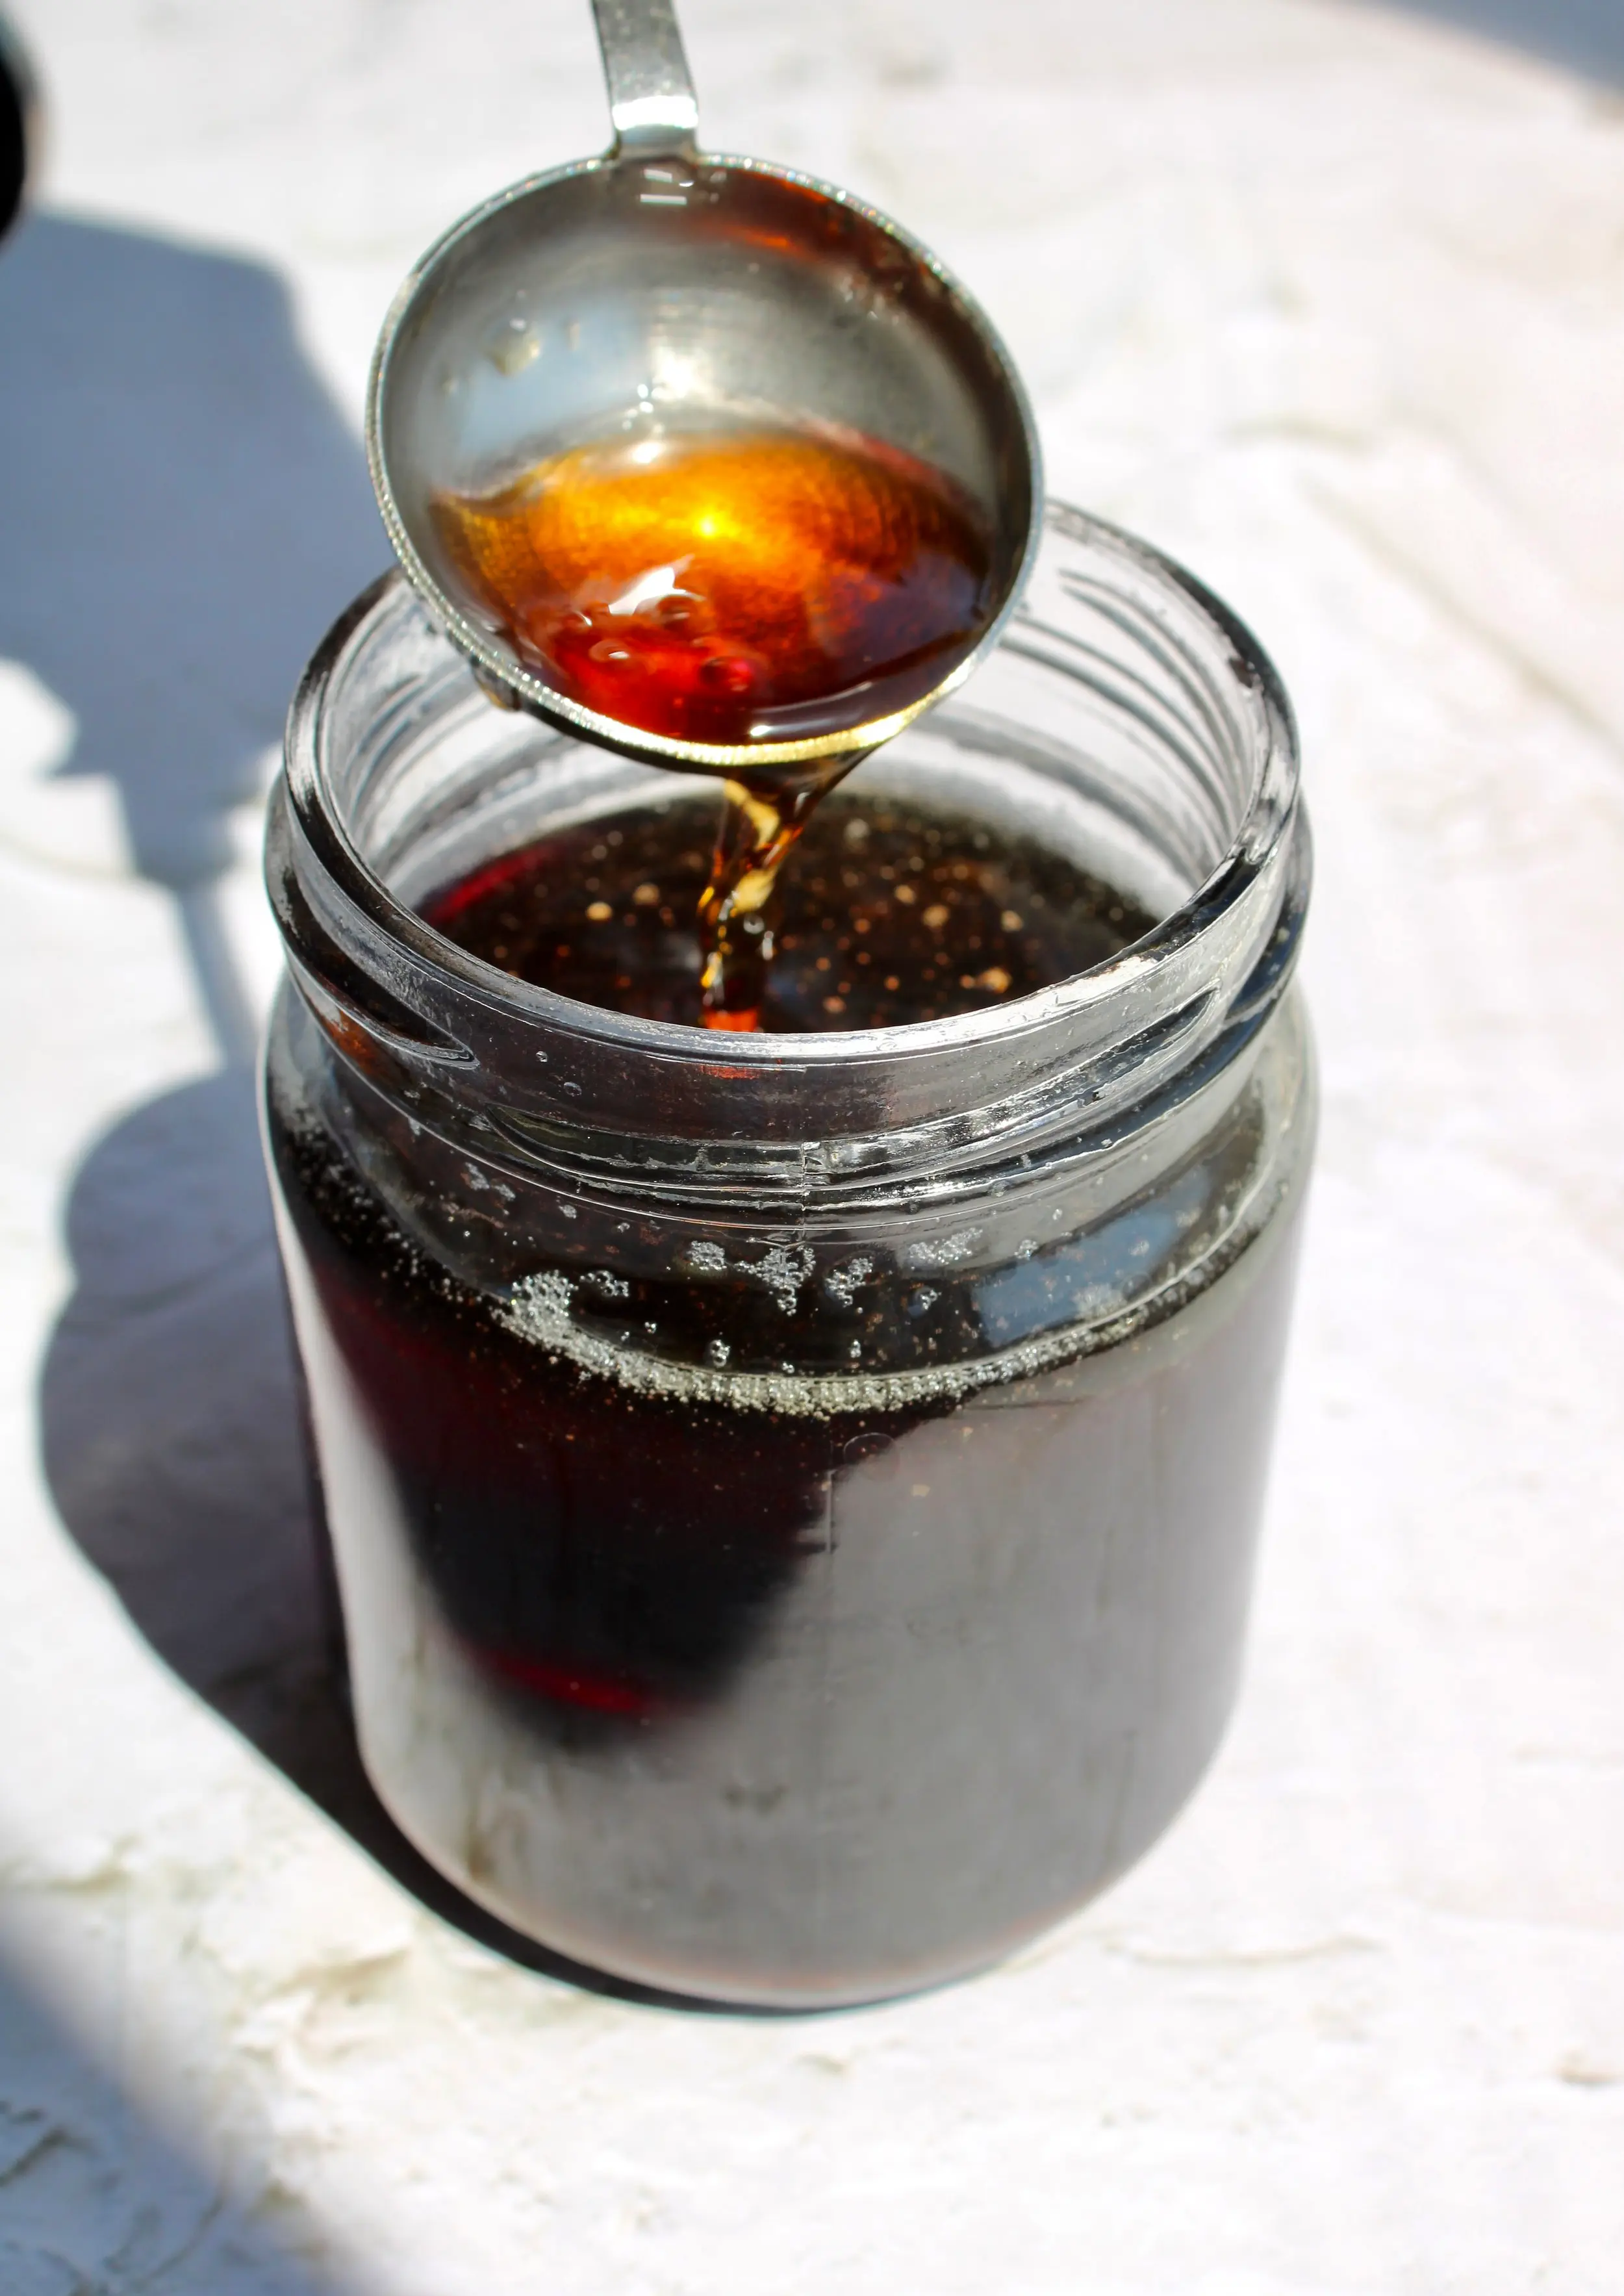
887	914
611	1557
604	1557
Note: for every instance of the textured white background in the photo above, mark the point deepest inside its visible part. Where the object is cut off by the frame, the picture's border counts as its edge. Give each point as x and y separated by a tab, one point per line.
1329	302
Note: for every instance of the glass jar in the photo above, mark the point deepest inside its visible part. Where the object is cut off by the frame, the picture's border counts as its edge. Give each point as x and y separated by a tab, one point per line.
793	1497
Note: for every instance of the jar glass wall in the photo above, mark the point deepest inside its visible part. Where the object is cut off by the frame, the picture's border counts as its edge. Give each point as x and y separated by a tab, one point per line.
793	1497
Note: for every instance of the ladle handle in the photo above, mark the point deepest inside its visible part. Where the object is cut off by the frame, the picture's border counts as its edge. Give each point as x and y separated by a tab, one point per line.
650	96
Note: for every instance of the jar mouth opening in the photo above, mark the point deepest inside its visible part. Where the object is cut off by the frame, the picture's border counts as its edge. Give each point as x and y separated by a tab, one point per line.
1171	610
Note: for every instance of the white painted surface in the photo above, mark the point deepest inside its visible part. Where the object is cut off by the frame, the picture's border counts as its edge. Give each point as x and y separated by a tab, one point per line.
1330	304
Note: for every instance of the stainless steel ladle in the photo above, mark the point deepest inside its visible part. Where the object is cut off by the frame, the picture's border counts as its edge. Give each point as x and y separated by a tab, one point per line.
662	287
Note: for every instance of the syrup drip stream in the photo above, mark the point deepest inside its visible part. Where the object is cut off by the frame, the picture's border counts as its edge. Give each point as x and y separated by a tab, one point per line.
762	818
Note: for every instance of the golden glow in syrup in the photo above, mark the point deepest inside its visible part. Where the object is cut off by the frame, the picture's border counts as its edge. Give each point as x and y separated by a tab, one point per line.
730	587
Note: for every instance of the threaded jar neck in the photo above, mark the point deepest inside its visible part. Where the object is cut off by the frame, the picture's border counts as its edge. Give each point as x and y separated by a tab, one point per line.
1126	718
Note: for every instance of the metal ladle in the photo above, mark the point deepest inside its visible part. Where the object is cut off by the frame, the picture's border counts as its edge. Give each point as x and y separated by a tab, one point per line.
664	287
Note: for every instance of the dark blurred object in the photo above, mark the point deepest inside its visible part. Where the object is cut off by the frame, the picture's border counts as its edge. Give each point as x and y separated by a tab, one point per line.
18	125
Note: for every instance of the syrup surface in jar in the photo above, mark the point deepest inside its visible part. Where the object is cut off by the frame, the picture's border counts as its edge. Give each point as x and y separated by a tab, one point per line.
731	586
886	914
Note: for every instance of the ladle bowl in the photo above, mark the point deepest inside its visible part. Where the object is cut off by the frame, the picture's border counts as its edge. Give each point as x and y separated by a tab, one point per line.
659	290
